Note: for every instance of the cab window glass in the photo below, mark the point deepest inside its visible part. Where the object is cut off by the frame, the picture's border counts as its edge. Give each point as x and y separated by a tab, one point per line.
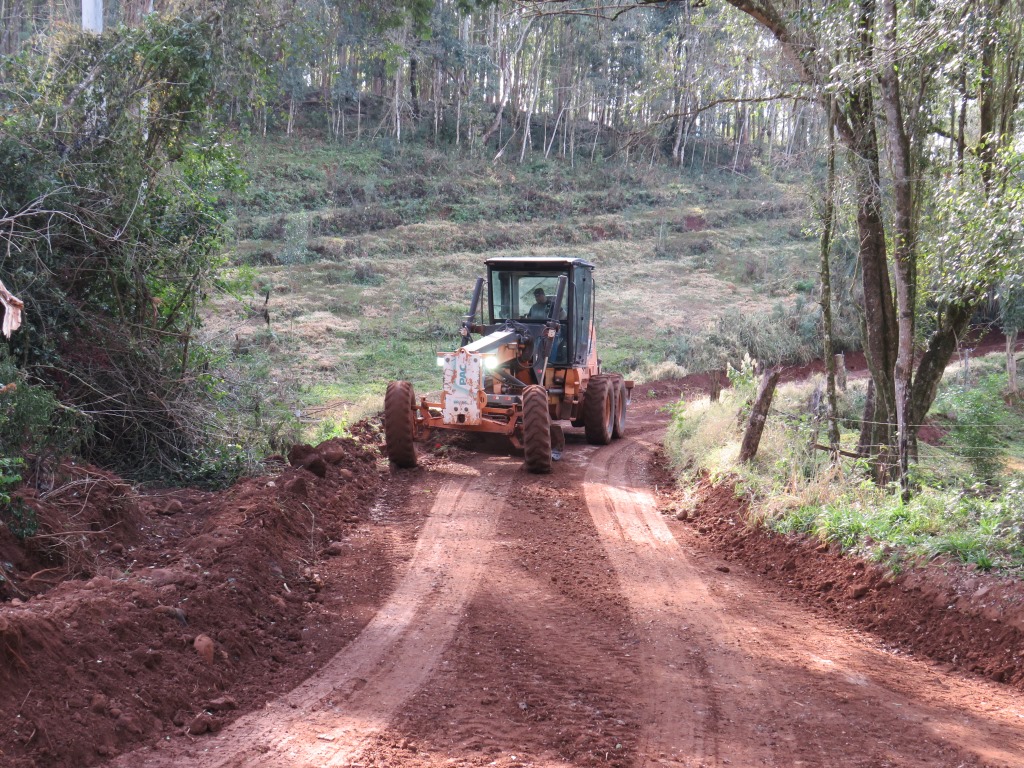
584	290
513	294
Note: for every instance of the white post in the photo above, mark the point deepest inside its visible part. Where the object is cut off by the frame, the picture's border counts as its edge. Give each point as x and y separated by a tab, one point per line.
92	16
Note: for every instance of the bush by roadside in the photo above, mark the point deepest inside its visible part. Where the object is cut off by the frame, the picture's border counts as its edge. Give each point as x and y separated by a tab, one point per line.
969	502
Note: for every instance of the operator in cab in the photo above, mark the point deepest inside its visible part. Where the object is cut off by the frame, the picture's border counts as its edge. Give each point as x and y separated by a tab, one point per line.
543	307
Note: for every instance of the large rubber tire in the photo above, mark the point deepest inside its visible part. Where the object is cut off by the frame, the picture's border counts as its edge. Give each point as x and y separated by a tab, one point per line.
619	425
400	423
536	429
599	410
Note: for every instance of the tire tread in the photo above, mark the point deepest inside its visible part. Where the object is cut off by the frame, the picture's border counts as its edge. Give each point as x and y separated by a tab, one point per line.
536	429
400	423
598	410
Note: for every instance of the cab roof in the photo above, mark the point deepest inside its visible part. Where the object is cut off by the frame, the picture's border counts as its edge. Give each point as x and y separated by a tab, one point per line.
538	262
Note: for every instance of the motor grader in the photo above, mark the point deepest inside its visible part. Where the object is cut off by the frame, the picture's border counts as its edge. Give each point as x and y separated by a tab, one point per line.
527	360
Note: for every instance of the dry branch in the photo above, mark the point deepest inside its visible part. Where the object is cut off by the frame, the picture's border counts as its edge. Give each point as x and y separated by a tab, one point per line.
12	310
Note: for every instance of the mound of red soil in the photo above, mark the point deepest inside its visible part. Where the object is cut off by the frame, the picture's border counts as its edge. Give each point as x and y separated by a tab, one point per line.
945	611
134	615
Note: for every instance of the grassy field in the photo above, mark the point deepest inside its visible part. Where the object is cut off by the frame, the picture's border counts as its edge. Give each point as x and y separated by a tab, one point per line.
350	266
363	260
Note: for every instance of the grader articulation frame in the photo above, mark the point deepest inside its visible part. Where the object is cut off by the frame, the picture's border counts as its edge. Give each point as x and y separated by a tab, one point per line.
532	366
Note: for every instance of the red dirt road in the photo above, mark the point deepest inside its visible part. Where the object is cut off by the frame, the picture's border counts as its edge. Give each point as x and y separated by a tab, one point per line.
469	613
564	620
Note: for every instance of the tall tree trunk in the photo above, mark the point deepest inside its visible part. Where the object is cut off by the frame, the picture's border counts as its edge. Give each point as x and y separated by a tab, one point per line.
961	140
507	59
1011	360
904	248
857	128
827	219
880	332
414	88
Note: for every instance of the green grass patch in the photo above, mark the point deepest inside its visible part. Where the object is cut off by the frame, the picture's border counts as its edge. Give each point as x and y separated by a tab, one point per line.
369	252
969	502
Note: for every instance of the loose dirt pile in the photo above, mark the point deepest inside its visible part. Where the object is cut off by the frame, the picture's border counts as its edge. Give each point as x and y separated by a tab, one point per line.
135	615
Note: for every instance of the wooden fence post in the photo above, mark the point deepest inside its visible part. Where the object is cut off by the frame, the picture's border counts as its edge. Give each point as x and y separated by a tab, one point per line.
759	413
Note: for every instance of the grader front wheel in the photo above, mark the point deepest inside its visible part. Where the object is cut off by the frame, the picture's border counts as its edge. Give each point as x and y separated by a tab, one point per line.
621	396
536	430
400	423
599	405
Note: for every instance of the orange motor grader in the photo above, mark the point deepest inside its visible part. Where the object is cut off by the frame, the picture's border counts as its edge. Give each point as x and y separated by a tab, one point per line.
527	360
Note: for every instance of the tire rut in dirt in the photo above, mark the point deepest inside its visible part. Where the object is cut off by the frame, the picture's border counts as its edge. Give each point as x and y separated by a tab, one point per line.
331	718
541	667
400	423
736	673
692	716
536	430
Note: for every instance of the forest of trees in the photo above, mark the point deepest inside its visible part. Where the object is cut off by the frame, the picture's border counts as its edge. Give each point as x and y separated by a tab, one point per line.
670	80
923	100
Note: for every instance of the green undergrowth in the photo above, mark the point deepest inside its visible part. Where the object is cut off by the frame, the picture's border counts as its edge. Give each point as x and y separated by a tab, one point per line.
351	265
968	504
978	526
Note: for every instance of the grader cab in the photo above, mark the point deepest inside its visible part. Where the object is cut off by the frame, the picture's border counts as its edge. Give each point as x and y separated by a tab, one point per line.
527	360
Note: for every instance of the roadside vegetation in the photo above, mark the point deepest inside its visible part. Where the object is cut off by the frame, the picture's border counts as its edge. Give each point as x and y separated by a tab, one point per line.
233	223
968	499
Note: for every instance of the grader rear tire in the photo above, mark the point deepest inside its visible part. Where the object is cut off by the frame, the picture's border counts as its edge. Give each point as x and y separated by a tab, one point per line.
599	404
400	423
536	430
619	427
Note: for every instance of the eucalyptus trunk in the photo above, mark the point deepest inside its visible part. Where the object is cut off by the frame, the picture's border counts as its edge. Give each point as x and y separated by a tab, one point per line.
904	250
827	221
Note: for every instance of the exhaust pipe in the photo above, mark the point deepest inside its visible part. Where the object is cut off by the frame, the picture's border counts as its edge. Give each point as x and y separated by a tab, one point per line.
467	320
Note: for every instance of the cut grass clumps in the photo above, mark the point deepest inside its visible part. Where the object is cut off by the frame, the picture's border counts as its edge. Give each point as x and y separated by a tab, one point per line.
369	283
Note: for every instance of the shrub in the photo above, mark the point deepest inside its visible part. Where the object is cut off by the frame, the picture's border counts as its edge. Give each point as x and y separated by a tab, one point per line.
9	477
364	273
20	519
116	225
32	420
978	430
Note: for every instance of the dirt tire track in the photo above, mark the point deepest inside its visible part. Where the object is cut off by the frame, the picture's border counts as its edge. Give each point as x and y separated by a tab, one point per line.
333	716
686	646
738	675
540	672
527	632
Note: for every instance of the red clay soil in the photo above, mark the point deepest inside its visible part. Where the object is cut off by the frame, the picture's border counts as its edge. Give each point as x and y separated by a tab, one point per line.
156	620
132	615
946	611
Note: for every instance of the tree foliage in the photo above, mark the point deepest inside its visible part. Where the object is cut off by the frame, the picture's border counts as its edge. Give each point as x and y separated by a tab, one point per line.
109	222
895	71
112	157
